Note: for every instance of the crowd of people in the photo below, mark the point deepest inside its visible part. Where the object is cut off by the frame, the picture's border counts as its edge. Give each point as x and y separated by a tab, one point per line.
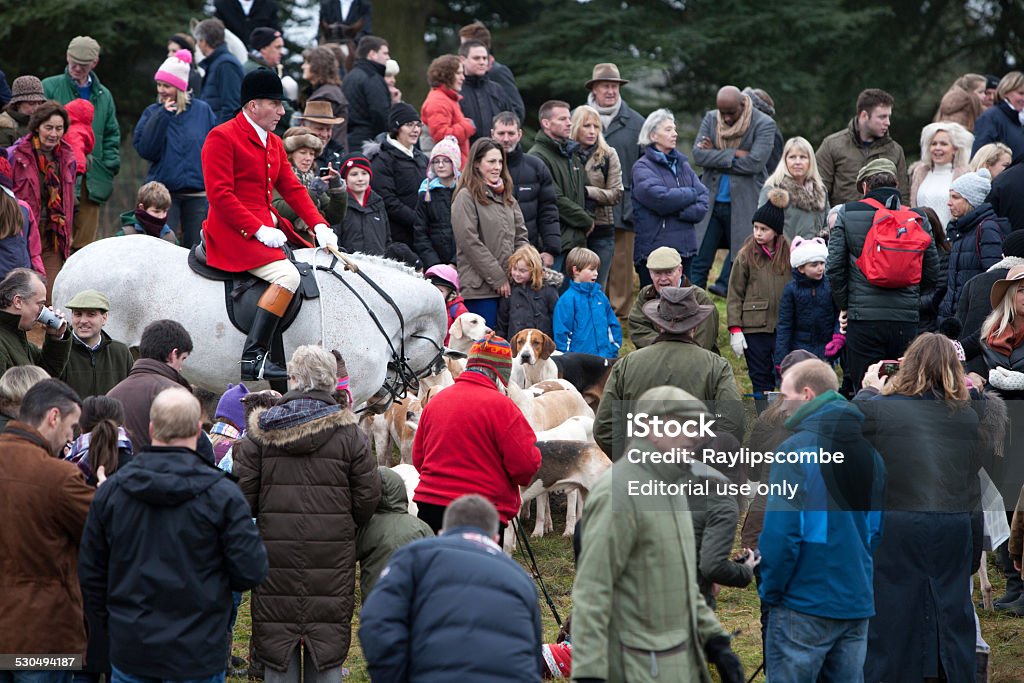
878	308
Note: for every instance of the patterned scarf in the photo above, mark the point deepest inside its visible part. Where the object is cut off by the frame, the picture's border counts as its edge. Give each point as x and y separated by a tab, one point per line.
51	185
729	137
497	188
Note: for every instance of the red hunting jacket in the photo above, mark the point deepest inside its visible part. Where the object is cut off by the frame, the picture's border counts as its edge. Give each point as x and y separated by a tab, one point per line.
241	176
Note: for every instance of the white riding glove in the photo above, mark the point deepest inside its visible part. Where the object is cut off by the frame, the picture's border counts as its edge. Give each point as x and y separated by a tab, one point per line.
272	237
325	237
738	343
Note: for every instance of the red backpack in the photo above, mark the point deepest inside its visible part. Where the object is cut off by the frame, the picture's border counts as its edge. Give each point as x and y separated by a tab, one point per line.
894	248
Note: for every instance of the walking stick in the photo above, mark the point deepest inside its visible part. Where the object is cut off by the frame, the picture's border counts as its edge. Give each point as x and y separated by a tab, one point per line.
525	543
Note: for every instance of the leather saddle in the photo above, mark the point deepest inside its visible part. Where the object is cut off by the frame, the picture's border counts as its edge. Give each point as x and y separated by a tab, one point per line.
242	291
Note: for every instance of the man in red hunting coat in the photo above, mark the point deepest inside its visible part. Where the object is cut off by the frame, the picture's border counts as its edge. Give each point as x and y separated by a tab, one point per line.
243	163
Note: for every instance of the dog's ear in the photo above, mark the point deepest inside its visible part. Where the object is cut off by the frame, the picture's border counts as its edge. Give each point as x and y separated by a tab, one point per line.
517	341
547	347
455	331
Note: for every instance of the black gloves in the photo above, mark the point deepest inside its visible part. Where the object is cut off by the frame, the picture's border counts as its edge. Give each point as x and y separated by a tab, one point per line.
718	652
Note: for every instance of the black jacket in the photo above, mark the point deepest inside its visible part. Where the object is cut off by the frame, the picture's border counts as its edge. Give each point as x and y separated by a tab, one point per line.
369	102
263	13
976	244
1007	195
535	192
397	178
482	100
412	606
365	228
850	288
526	307
973	307
433	239
166	541
503	76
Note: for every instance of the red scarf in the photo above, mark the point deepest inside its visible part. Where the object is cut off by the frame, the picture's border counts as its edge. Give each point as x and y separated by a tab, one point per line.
51	186
1006	342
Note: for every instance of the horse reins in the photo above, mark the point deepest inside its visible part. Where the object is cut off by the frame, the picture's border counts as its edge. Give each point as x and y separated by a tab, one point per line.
406	378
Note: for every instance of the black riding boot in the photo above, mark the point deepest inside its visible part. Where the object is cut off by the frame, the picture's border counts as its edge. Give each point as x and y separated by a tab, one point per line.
256	363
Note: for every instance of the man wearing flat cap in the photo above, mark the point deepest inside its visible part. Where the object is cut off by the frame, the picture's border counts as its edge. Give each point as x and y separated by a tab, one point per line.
621	127
666	269
97	363
243	231
79	80
674	358
882	321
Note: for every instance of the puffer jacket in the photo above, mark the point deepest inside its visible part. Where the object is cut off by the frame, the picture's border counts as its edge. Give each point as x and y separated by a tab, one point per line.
485	236
535	192
365	228
28	187
482	100
442	116
173	144
1000	124
754	296
976	244
396	178
666	204
807	317
604	187
306	469
433	239
851	291
527	307
497	613
928	305
389	529
585	322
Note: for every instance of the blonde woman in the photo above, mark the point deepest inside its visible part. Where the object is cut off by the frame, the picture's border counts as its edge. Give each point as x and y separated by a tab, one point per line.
945	153
604	184
797	174
995	156
1002	335
170	134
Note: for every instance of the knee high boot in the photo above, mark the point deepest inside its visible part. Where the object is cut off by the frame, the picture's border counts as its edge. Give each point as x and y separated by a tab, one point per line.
256	363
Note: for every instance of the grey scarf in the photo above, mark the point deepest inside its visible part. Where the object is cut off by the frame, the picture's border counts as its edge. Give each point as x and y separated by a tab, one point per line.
606	113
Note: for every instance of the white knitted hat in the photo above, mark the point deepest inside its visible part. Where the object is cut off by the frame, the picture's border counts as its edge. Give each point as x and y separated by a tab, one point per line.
807	251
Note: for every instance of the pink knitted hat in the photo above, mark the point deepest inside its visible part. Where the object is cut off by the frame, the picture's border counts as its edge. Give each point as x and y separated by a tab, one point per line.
447	147
174	70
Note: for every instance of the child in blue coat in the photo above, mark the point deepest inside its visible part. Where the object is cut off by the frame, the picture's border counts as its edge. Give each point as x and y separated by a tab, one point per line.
584	321
808	319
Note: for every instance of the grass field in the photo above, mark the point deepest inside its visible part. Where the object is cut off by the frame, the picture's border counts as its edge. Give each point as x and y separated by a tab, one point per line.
737	608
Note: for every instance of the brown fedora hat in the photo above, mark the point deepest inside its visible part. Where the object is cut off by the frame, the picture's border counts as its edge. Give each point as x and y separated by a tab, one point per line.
676	310
320	111
999	287
606	71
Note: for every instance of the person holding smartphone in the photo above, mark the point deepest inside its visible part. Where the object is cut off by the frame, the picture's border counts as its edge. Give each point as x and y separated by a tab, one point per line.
325	185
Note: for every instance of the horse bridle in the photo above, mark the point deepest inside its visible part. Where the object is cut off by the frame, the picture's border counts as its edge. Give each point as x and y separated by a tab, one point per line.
405	378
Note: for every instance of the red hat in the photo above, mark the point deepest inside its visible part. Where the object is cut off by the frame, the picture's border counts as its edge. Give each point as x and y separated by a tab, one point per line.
355	161
557	660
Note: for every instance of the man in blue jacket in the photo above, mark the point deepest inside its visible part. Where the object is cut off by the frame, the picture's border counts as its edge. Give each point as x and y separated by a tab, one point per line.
222	84
166	542
817	545
451	604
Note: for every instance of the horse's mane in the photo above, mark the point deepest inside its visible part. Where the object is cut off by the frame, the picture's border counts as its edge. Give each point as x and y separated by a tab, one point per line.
389	263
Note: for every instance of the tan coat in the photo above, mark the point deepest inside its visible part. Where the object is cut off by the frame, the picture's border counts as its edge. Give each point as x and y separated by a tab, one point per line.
604	187
485	237
44	502
754	296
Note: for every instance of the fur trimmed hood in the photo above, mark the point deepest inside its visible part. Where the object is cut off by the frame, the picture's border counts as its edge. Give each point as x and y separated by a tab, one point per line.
302	438
799	197
1007	262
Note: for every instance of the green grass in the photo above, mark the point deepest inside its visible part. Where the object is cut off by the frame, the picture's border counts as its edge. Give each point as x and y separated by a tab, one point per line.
737	608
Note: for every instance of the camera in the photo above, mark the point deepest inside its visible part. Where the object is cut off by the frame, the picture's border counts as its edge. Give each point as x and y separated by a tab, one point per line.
889	368
50	319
